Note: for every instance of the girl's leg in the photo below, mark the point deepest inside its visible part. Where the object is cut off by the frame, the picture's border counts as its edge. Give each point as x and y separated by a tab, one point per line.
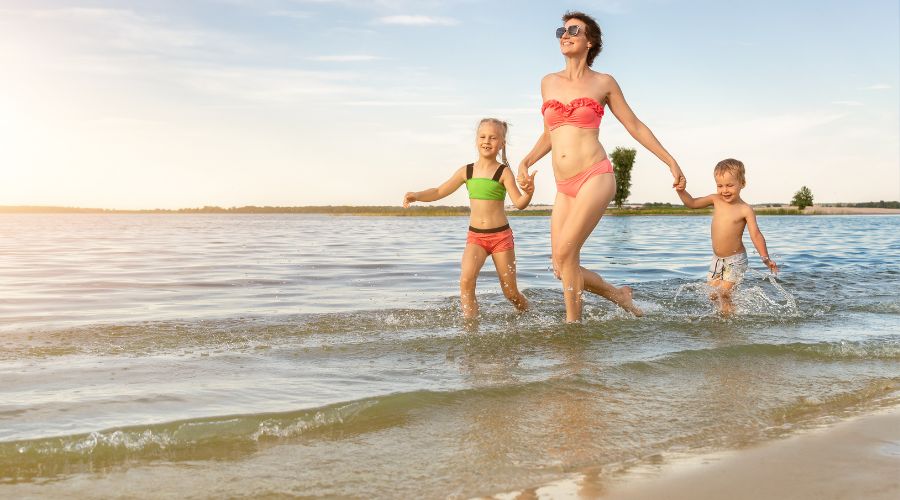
472	260
505	262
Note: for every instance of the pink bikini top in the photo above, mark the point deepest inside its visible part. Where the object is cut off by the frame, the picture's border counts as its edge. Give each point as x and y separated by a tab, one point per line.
582	112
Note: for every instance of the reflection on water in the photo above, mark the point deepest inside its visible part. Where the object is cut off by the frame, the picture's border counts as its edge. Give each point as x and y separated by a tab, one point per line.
295	355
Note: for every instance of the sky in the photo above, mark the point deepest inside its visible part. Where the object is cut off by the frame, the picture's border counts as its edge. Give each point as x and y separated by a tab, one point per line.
187	103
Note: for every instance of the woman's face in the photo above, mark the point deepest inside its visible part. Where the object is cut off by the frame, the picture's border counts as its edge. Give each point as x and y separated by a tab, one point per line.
571	45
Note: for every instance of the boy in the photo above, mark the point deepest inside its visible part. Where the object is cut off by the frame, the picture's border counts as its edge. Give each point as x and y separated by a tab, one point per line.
730	215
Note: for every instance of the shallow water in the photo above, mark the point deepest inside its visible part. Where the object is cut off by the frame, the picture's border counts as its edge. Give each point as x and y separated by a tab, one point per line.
304	355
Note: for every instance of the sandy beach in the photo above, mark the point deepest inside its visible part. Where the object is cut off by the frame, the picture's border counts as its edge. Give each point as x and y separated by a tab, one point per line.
857	458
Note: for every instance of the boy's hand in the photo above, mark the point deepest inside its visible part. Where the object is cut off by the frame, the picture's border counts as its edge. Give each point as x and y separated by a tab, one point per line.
772	265
680	182
408	198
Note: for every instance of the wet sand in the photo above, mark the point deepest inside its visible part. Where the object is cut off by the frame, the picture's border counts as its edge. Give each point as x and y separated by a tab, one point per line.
854	459
858	458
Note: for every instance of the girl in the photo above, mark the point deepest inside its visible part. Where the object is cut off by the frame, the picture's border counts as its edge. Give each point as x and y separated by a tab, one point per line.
488	182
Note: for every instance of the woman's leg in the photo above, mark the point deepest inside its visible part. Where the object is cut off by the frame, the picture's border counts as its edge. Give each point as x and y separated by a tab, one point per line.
569	229
472	260
505	262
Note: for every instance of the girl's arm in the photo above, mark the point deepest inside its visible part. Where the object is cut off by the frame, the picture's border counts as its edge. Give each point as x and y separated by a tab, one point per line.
691	202
520	200
540	149
641	132
433	194
759	241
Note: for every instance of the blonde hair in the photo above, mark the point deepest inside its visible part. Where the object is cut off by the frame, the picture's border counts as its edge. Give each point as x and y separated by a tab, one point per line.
732	166
504	127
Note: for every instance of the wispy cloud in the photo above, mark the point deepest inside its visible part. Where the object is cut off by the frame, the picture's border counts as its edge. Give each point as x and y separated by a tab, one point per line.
847	103
345	58
411	20
292	14
878	86
407	103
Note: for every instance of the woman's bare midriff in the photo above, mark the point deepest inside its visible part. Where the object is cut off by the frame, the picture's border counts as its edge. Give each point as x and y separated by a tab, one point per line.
574	149
487	214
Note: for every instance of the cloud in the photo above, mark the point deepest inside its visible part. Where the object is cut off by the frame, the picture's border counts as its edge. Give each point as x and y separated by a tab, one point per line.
847	103
410	20
292	14
878	86
407	103
345	58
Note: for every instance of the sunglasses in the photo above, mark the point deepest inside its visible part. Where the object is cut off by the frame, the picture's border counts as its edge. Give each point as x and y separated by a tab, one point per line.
572	30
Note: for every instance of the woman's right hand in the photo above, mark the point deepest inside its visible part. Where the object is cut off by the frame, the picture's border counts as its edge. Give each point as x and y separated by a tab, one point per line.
408	198
525	181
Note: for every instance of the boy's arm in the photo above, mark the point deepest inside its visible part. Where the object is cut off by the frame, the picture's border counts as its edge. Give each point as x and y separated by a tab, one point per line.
691	202
520	200
433	194
759	241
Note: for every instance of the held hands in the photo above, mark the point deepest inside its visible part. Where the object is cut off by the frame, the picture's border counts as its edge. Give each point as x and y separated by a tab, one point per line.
409	198
680	182
525	181
528	186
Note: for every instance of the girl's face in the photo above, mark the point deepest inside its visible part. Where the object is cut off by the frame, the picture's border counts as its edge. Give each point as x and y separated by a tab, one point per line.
489	140
571	45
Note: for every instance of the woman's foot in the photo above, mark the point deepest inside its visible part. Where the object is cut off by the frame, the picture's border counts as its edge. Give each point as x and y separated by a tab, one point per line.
626	301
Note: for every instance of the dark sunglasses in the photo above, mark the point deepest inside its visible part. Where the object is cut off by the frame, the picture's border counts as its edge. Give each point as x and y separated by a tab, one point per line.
571	30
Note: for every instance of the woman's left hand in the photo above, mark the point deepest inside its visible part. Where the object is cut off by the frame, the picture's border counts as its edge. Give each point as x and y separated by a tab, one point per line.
680	182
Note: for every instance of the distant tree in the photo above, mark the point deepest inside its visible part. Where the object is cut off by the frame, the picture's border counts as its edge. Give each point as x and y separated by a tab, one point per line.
623	161
803	198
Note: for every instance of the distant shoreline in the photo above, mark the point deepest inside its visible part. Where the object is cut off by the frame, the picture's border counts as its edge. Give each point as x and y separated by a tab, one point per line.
451	211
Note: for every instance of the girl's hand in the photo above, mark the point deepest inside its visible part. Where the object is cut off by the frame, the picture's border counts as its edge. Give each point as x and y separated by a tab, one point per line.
409	198
528	187
680	182
522	178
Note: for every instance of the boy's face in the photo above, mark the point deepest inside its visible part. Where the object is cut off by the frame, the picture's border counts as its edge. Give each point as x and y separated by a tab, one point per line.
728	187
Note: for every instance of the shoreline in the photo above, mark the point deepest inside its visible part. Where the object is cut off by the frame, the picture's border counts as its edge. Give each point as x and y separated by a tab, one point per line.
854	458
434	211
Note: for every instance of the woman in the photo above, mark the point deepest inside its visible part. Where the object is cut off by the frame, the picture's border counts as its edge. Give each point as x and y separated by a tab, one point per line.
574	100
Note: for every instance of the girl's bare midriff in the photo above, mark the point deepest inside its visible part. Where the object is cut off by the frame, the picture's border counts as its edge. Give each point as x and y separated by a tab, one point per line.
574	149
487	214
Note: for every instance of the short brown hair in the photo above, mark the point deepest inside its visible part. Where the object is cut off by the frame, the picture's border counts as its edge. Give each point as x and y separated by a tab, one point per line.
735	167
592	33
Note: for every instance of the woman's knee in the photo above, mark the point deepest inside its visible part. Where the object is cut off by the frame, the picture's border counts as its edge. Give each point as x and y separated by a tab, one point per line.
467	282
566	252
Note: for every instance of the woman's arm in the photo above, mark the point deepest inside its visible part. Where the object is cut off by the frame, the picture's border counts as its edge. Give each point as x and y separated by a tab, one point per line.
433	194
540	149
641	133
520	200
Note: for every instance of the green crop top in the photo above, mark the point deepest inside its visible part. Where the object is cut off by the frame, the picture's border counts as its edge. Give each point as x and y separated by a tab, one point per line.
482	188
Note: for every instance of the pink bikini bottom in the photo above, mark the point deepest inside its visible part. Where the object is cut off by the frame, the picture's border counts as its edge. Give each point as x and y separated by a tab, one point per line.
572	185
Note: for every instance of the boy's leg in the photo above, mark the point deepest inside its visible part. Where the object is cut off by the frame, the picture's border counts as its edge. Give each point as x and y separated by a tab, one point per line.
505	262
472	260
722	294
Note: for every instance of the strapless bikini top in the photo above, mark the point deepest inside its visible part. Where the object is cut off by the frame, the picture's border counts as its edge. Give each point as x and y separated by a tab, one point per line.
582	112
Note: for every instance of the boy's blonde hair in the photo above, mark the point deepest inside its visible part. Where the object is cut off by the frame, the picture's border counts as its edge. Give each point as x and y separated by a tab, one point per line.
732	166
503	126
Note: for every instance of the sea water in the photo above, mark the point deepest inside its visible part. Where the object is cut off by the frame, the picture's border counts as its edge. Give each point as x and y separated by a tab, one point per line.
265	355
